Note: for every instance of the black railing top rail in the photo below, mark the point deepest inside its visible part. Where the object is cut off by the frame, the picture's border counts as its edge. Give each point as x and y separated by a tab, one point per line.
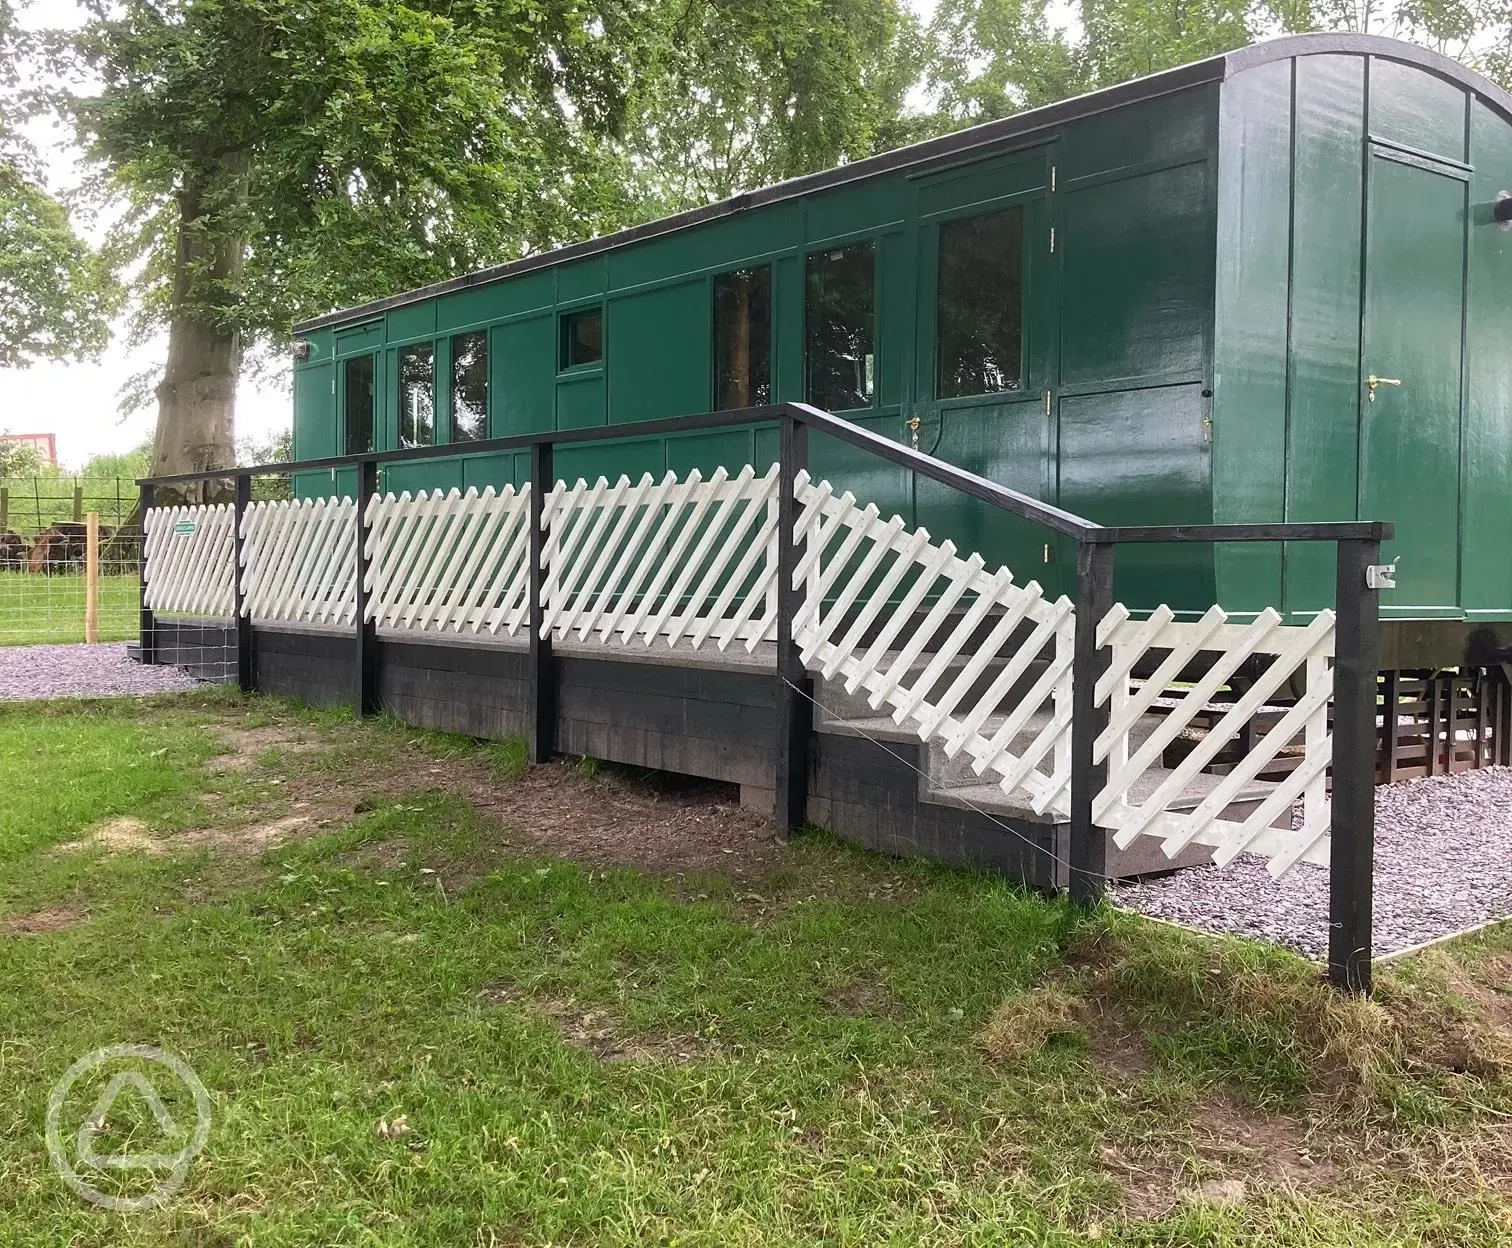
1056	519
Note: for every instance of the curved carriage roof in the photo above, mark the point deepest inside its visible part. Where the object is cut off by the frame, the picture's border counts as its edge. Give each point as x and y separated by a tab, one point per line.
961	142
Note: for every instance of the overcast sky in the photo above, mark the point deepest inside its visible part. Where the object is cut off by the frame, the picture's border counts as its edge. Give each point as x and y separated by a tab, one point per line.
78	402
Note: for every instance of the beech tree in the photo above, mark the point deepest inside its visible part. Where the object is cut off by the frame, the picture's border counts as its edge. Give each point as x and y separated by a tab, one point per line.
276	158
55	295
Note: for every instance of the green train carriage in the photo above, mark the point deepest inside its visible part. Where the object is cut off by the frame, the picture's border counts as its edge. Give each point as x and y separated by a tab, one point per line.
1272	285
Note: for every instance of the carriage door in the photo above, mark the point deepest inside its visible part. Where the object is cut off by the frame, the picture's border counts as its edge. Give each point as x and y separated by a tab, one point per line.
981	355
1410	371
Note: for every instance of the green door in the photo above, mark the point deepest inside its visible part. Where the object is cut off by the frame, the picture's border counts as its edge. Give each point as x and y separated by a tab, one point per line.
1413	340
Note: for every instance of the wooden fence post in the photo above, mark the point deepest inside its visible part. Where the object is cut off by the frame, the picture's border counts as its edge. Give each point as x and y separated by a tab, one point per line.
241	621
541	715
1351	859
146	633
92	578
365	691
795	715
1088	850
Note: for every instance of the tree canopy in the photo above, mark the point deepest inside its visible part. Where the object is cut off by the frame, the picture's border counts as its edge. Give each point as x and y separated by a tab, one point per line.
55	295
268	160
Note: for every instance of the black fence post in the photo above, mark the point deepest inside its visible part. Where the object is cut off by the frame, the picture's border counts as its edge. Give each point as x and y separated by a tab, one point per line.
239	617
366	681
541	723
146	630
1088	851
1351	859
795	717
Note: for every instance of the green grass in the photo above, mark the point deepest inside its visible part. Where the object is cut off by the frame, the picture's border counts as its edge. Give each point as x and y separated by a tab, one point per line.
37	609
853	1050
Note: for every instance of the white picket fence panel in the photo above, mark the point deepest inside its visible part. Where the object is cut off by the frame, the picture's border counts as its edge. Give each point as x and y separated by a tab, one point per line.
676	562
1293	651
960	654
188	554
299	561
444	561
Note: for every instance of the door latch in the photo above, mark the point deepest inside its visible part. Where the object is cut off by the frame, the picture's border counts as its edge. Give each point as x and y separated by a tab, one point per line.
913	432
1380	576
1373	381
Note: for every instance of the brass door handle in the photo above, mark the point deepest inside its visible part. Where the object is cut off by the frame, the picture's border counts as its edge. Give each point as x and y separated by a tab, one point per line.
1373	381
913	432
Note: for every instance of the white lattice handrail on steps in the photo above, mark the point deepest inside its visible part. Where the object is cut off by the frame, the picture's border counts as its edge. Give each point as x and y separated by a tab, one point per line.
956	652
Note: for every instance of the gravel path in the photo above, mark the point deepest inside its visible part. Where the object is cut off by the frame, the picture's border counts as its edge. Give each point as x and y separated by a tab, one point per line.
31	672
1443	864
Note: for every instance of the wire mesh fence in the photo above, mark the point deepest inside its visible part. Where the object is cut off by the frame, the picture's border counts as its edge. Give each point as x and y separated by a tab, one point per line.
44	575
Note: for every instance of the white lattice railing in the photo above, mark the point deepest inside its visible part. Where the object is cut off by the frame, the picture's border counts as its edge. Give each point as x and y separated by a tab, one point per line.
867	578
1139	794
670	561
960	654
299	561
452	561
187	557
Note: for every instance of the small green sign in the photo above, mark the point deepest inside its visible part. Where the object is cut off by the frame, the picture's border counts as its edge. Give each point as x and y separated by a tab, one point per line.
185	528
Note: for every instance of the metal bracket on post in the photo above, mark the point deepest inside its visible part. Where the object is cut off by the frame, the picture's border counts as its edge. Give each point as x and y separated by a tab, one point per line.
240	620
794	708
366	676
542	713
1351	861
1088	852
146	630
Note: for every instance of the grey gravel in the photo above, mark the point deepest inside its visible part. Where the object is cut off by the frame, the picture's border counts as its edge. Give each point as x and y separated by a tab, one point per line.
28	673
1443	864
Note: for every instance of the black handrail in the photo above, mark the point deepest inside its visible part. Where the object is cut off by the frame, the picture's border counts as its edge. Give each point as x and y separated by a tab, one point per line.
1056	519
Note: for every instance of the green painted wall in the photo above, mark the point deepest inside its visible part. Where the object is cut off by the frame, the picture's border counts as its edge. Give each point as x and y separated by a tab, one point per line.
1354	237
1195	289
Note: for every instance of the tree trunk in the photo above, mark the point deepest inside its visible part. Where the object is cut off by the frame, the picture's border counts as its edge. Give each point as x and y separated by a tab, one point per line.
196	426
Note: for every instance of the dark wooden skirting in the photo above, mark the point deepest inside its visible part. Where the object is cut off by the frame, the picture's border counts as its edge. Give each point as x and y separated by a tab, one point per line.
701	721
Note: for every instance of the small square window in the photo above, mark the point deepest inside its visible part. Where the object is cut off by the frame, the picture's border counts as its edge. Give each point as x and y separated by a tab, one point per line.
583	337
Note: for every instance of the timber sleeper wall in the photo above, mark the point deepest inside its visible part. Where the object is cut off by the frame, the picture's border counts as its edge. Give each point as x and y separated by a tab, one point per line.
702	721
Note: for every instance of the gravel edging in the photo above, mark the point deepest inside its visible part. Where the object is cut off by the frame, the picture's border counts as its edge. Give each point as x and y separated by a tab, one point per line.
33	673
1443	865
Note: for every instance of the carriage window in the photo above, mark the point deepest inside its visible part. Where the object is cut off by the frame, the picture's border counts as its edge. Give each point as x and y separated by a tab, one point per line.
417	396
980	310
839	327
358	405
583	337
469	387
743	338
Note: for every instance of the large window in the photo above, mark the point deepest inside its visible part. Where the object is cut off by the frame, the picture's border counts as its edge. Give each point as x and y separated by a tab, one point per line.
743	338
980	308
358	403
840	327
469	387
417	396
583	337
